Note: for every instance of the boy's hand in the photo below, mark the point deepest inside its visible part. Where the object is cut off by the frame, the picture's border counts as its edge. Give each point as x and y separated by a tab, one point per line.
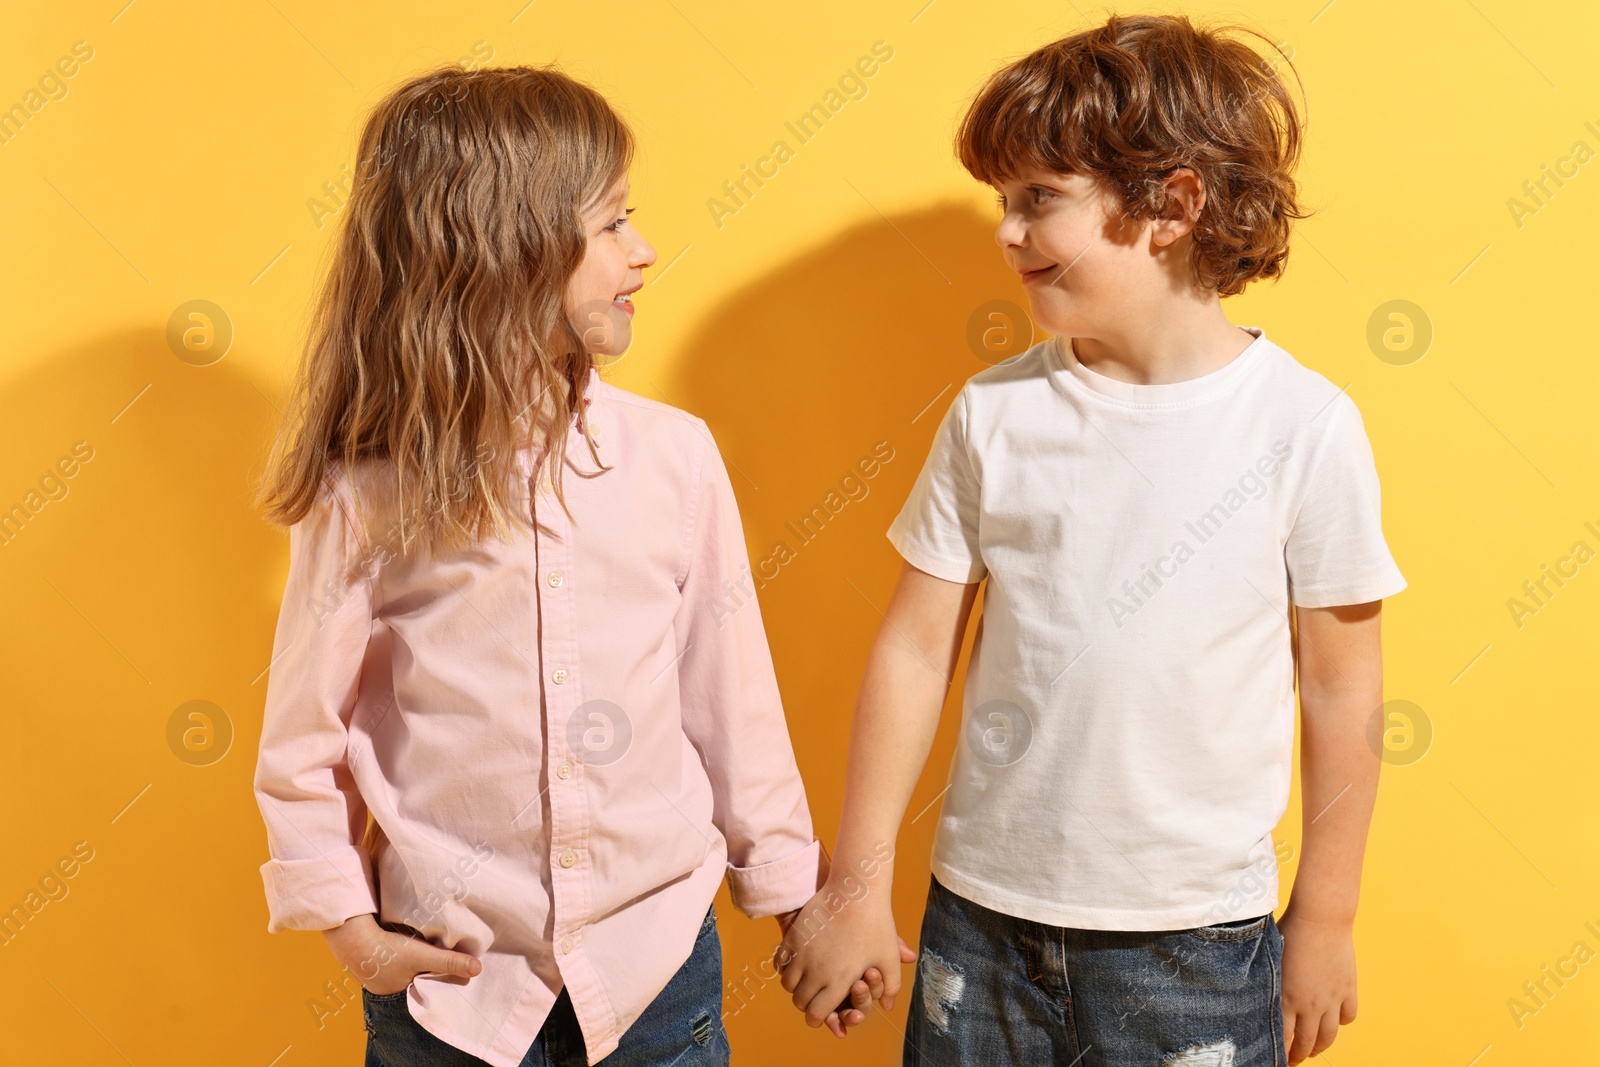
853	953
1319	983
863	991
385	962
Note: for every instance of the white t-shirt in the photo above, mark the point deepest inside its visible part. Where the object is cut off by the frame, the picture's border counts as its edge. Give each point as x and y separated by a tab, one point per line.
1128	721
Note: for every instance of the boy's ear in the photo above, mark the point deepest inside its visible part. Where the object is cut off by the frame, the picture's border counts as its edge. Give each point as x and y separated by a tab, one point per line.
1185	197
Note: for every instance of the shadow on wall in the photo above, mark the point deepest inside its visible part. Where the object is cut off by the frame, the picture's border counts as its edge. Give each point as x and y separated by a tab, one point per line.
145	579
142	580
829	375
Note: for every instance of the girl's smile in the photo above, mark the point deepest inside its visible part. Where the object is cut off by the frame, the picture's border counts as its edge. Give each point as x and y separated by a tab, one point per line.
600	292
625	300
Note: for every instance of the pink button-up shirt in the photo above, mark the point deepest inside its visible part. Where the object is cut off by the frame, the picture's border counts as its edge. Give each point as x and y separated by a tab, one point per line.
564	739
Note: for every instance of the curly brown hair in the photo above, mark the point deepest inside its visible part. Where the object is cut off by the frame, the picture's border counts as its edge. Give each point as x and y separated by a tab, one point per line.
440	345
1131	101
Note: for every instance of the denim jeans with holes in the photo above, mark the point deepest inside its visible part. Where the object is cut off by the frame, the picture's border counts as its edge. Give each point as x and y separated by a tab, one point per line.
996	990
682	1027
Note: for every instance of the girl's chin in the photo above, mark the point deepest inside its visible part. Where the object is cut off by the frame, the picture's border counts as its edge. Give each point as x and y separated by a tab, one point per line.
615	348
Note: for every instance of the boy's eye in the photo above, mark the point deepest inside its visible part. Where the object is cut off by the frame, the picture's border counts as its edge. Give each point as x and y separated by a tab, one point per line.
1039	195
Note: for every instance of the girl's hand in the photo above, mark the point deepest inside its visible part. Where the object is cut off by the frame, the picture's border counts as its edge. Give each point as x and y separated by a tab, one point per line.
385	962
1319	983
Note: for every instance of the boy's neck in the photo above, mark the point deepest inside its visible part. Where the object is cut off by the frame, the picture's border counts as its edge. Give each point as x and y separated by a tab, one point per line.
1160	349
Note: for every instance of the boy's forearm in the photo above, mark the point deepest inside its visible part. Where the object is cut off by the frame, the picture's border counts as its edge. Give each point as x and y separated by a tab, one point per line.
1339	787
897	714
1341	688
903	691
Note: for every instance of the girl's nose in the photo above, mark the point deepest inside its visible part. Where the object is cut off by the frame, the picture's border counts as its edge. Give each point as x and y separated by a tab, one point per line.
644	253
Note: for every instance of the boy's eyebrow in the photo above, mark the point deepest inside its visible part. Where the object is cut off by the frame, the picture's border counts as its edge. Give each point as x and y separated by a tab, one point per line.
1054	178
1035	177
1053	185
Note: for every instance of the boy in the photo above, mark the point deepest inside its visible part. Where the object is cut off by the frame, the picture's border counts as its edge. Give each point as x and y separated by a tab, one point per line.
1172	515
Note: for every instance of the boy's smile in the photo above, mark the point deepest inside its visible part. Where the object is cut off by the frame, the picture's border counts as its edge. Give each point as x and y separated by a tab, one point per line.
1049	224
1120	287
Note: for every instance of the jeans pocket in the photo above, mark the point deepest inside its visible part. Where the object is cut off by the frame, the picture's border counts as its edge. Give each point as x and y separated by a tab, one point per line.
1233	930
383	998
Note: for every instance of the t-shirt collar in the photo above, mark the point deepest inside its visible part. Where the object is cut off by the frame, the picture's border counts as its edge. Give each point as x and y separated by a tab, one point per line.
1070	375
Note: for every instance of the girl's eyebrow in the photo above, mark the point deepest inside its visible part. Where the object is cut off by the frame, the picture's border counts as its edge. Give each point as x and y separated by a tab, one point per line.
608	206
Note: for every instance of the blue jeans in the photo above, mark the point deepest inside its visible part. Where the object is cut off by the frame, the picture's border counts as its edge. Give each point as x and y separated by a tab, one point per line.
995	990
681	1027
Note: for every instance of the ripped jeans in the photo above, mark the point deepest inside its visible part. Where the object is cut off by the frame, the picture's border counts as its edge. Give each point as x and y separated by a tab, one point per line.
682	1027
996	990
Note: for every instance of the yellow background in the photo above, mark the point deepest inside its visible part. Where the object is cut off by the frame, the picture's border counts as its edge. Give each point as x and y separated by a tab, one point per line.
821	318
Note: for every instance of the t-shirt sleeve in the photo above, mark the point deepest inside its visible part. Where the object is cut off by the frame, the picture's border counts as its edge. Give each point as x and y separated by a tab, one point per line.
937	528
1336	552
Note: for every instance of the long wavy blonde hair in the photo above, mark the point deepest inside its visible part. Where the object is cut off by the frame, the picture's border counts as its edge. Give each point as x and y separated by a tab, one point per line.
440	342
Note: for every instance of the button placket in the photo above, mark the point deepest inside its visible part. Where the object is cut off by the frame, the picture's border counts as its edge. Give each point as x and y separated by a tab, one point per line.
562	695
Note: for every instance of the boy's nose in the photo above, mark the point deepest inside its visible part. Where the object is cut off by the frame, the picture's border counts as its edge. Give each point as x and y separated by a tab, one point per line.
1009	232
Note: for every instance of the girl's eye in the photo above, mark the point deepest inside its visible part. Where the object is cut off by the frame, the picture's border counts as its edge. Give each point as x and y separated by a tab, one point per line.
1000	201
617	225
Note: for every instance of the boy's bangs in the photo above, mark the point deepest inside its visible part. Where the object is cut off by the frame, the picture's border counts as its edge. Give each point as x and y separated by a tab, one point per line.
1019	122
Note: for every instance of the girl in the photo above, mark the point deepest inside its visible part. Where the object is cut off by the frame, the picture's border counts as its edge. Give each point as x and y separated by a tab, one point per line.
513	739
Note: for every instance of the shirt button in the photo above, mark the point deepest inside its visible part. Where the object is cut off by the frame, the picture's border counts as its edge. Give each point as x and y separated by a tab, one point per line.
554	579
566	945
568	859
564	771
558	675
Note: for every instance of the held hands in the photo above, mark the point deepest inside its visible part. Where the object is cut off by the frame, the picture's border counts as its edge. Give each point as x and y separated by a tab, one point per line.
385	962
838	960
1319	983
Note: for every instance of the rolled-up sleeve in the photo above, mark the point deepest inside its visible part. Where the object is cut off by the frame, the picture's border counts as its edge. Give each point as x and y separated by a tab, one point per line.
733	714
319	875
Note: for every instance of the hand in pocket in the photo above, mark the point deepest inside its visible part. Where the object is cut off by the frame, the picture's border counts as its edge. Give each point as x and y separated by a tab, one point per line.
385	961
